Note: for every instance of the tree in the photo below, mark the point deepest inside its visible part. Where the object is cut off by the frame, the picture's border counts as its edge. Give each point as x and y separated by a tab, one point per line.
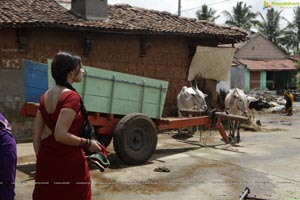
241	16
206	14
269	26
291	33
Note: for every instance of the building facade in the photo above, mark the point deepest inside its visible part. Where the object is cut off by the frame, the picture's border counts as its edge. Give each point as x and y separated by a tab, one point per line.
130	40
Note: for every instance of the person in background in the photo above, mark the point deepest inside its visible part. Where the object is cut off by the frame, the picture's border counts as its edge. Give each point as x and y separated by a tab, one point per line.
8	160
288	96
62	171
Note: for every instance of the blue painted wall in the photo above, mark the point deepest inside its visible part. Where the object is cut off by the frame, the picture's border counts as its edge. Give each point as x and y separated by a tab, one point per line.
35	80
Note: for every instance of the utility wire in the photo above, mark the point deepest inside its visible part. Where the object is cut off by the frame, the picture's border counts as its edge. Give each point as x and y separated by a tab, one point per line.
206	4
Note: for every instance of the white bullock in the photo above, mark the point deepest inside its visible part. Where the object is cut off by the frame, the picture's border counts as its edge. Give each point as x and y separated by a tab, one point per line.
191	98
236	104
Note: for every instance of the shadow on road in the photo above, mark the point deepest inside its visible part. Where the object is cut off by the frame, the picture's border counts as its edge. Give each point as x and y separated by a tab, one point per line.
28	168
222	146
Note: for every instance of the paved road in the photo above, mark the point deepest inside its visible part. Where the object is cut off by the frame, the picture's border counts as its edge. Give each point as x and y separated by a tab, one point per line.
267	162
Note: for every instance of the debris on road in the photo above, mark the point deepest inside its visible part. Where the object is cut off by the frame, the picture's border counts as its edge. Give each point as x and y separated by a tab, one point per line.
162	169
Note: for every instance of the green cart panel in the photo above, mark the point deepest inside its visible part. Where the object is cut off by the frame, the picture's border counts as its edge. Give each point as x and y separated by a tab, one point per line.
113	92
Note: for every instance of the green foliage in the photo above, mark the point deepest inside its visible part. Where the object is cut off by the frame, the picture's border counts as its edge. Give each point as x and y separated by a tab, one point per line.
291	33
297	51
269	26
282	48
241	16
206	14
297	76
297	65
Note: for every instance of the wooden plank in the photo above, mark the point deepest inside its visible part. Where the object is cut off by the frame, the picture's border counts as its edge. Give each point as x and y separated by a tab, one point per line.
177	123
224	115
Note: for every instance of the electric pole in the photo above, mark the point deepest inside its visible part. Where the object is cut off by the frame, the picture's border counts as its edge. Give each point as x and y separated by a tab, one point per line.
179	7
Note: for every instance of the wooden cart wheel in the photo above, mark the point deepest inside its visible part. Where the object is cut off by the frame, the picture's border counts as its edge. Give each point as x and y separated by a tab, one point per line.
135	138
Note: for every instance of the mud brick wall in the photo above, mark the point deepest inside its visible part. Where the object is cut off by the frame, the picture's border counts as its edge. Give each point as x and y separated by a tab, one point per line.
162	57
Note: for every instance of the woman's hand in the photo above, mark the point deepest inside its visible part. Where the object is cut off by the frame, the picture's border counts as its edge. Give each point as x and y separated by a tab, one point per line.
95	146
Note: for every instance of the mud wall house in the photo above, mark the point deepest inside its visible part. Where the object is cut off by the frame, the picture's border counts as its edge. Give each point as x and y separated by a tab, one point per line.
115	37
266	66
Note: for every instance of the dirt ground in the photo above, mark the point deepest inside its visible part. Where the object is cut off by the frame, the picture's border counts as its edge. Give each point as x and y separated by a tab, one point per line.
201	167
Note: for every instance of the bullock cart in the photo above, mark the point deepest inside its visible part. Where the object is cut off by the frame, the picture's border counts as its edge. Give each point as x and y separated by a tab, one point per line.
125	107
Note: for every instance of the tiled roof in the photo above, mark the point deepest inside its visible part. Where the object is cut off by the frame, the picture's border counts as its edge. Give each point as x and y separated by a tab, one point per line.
295	57
235	62
269	65
121	18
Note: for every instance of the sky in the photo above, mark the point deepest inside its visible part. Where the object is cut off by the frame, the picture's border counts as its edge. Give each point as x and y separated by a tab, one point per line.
189	7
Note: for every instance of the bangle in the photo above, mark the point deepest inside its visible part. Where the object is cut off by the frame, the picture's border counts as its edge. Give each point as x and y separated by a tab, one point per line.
87	143
80	142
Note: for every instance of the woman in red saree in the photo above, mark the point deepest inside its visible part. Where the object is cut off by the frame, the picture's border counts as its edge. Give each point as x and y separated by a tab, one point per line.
62	171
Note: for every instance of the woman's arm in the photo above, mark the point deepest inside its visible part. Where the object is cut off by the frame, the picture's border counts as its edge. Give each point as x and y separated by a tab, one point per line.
63	124
37	130
62	135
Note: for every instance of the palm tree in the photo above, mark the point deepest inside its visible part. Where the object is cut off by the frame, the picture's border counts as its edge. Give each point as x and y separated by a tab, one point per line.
270	25
206	14
291	33
241	16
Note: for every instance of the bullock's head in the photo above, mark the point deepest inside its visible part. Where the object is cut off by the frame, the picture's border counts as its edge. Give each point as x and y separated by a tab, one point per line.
199	98
241	100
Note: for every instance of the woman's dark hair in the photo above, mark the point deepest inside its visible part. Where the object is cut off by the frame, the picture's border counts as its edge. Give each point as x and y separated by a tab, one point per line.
62	64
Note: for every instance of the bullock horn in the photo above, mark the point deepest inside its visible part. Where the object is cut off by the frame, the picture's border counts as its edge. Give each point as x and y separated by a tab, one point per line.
195	87
191	83
237	92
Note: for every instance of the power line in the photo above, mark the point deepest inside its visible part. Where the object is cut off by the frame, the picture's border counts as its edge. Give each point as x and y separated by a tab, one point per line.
206	4
216	2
